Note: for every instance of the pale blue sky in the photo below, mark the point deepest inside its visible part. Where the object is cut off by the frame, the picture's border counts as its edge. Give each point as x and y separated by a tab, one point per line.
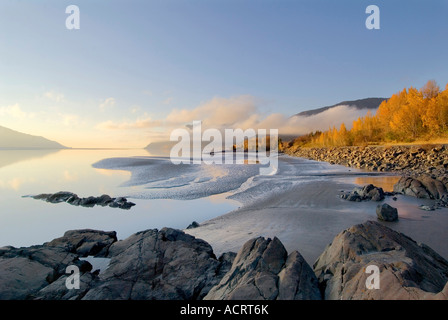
133	62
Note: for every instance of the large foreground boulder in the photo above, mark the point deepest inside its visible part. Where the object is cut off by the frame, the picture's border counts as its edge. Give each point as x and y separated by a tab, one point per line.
162	265
152	264
407	269
168	264
25	271
85	242
262	270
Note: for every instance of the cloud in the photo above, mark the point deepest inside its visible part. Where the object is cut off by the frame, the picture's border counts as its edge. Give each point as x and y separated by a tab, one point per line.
233	113
55	96
299	125
107	103
217	112
242	112
16	112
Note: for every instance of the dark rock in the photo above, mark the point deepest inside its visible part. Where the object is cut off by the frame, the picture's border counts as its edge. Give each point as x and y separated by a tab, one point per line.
193	225
263	270
166	264
386	213
104	200
88	202
25	271
73	199
57	290
408	270
85	242
368	192
42	196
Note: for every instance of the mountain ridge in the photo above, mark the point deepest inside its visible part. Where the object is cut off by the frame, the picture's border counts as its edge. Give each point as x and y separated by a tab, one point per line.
11	139
366	103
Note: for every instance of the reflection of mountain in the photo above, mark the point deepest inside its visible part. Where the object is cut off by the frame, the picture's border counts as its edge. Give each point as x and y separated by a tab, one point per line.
10	139
8	157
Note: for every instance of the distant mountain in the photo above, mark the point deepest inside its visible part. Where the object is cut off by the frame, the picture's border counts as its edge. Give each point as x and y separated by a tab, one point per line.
368	103
160	148
11	139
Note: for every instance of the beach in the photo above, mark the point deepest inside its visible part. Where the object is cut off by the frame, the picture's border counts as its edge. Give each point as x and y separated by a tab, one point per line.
253	229
306	216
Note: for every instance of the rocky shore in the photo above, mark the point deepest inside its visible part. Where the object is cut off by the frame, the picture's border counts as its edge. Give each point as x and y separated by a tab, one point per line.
424	169
168	264
89	202
407	160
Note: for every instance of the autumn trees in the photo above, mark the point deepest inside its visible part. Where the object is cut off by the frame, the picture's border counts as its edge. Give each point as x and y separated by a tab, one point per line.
406	116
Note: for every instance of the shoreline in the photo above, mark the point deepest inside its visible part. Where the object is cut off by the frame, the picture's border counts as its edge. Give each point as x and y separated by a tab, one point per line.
309	215
409	160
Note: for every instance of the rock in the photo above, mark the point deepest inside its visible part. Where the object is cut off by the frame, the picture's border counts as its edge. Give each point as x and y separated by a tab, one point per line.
88	202
435	188
122	203
262	270
422	186
163	265
193	225
25	271
368	192
57	197
104	200
73	199
86	242
373	193
426	208
127	205
411	187
57	290
408	270
405	159
386	213
171	265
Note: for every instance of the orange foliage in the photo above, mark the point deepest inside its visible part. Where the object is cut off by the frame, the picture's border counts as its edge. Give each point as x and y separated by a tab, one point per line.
406	116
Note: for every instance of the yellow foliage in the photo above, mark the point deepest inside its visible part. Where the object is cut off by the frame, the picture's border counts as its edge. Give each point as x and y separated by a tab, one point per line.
408	115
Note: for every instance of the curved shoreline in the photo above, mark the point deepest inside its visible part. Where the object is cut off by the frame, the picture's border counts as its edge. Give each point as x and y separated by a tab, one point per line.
310	214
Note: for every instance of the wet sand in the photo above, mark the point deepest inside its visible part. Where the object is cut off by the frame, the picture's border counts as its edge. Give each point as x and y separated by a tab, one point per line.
307	216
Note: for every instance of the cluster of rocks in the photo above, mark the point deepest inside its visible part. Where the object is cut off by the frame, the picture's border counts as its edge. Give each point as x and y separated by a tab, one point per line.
73	199
410	160
370	192
425	187
171	265
424	169
366	193
263	270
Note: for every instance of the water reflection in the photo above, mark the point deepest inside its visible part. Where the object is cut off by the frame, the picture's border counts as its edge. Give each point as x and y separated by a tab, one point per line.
8	157
385	182
25	221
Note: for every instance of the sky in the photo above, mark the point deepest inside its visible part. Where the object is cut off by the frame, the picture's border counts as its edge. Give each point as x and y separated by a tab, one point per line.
136	70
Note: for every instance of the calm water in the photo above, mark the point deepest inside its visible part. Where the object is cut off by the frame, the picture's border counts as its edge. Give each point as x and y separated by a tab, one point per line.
25	221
